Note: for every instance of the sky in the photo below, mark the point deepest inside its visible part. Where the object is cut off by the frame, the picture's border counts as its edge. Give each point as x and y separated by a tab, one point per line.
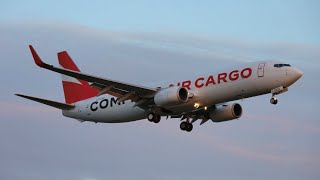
149	41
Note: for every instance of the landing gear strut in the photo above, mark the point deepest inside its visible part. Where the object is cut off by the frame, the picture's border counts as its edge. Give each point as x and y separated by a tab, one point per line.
186	126
152	117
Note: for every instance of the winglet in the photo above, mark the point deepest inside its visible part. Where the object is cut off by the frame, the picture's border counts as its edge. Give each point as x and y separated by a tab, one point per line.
36	57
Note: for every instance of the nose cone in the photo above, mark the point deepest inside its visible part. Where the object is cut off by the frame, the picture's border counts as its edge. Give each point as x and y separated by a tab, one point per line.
297	74
294	75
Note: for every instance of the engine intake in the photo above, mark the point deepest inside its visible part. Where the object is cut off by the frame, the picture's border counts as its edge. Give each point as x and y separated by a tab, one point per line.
171	96
226	112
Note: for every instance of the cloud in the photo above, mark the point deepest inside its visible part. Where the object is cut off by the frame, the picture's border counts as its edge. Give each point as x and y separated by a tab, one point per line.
230	147
285	125
267	140
8	108
189	44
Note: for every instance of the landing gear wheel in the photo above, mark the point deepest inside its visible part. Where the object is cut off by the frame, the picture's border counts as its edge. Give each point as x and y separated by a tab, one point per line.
157	119
151	117
183	126
189	127
186	126
274	100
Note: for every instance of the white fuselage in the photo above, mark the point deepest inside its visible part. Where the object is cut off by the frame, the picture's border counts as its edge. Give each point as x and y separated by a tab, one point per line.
231	84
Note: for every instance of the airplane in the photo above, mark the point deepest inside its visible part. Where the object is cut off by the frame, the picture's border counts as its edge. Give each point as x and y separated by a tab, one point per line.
207	97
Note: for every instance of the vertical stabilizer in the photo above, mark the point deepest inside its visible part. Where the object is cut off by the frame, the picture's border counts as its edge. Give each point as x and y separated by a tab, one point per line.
74	89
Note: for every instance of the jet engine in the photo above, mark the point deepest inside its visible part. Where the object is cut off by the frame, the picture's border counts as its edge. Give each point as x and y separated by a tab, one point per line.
226	112
171	96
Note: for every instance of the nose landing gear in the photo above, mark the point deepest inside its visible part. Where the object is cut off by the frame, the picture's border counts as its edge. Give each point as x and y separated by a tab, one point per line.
276	91
274	100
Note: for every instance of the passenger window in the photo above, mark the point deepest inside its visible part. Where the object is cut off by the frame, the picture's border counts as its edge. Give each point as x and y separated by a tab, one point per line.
280	65
287	65
276	65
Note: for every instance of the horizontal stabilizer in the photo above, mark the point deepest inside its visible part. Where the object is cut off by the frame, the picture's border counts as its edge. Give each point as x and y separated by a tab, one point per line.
58	105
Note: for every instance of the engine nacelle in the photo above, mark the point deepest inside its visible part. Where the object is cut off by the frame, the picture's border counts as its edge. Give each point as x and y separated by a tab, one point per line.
171	96
226	112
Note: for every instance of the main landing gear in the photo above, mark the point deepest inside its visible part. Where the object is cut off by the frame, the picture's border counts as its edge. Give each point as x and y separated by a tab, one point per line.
152	117
186	126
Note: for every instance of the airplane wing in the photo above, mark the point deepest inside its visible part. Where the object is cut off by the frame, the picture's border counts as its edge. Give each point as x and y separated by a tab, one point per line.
123	91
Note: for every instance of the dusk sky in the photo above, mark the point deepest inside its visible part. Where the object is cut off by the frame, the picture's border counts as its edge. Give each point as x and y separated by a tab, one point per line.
144	42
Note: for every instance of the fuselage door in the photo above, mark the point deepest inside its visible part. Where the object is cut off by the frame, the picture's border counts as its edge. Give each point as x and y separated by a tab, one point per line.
261	69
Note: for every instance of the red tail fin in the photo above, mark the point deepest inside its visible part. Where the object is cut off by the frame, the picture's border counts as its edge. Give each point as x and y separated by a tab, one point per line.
74	89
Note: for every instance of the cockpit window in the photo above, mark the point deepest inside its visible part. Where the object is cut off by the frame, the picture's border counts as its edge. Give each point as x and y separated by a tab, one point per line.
281	65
